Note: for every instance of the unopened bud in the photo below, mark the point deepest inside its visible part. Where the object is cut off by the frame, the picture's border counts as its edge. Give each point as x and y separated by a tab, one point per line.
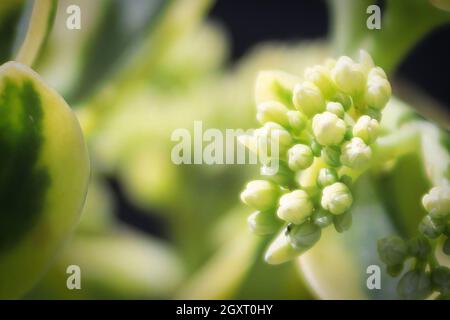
304	236
300	157
437	201
392	250
263	222
260	194
295	207
367	129
272	111
326	177
308	99
355	153
336	198
297	121
349	76
328	128
378	91
320	76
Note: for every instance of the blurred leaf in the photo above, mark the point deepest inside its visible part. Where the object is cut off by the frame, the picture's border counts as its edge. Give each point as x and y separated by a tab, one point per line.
124	24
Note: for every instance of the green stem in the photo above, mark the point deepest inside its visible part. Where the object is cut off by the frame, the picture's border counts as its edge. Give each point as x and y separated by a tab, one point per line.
39	26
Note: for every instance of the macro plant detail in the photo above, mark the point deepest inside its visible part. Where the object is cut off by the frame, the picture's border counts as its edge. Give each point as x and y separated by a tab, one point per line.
327	124
358	207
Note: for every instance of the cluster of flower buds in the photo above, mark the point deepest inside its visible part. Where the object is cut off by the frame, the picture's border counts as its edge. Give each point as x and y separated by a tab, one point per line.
425	275
324	124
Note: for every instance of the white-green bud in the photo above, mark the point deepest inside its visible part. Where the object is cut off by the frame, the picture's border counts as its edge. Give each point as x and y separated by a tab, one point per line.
272	111
336	108
326	177
321	77
308	98
349	76
274	133
297	121
295	207
274	85
437	201
367	129
263	222
300	157
355	153
260	194
328	128
378	90
336	198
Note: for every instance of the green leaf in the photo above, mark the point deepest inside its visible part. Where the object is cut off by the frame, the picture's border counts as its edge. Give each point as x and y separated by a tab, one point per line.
44	172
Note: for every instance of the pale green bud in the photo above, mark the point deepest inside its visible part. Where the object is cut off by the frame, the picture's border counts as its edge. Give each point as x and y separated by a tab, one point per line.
349	76
367	129
331	156
274	133
263	222
274	85
366	61
378	91
272	111
320	76
336	198
260	194
304	236
377	72
308	99
343	99
328	128
280	250
300	157
295	207
437	201
296	120
355	153
322	218
336	108
431	228
326	177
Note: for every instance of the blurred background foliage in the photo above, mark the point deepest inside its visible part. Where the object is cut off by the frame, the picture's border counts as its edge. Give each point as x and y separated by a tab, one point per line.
136	71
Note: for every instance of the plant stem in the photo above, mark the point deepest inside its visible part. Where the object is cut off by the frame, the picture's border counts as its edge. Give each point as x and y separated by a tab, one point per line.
39	26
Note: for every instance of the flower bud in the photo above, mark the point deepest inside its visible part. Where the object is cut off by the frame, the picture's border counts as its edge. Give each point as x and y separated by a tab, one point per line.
320	76
349	76
308	99
275	85
419	247
326	177
415	284
300	157
272	132
431	228
437	201
395	270
280	250
392	250
316	148
295	207
328	128
367	129
304	236
272	111
336	198
355	153
378	91
296	120
336	108
322	218
260	194
263	222
343	222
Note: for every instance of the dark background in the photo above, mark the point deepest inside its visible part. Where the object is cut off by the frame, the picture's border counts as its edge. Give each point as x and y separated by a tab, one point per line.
249	22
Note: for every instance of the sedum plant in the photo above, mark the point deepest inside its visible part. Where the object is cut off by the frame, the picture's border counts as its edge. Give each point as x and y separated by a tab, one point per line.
327	125
330	129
